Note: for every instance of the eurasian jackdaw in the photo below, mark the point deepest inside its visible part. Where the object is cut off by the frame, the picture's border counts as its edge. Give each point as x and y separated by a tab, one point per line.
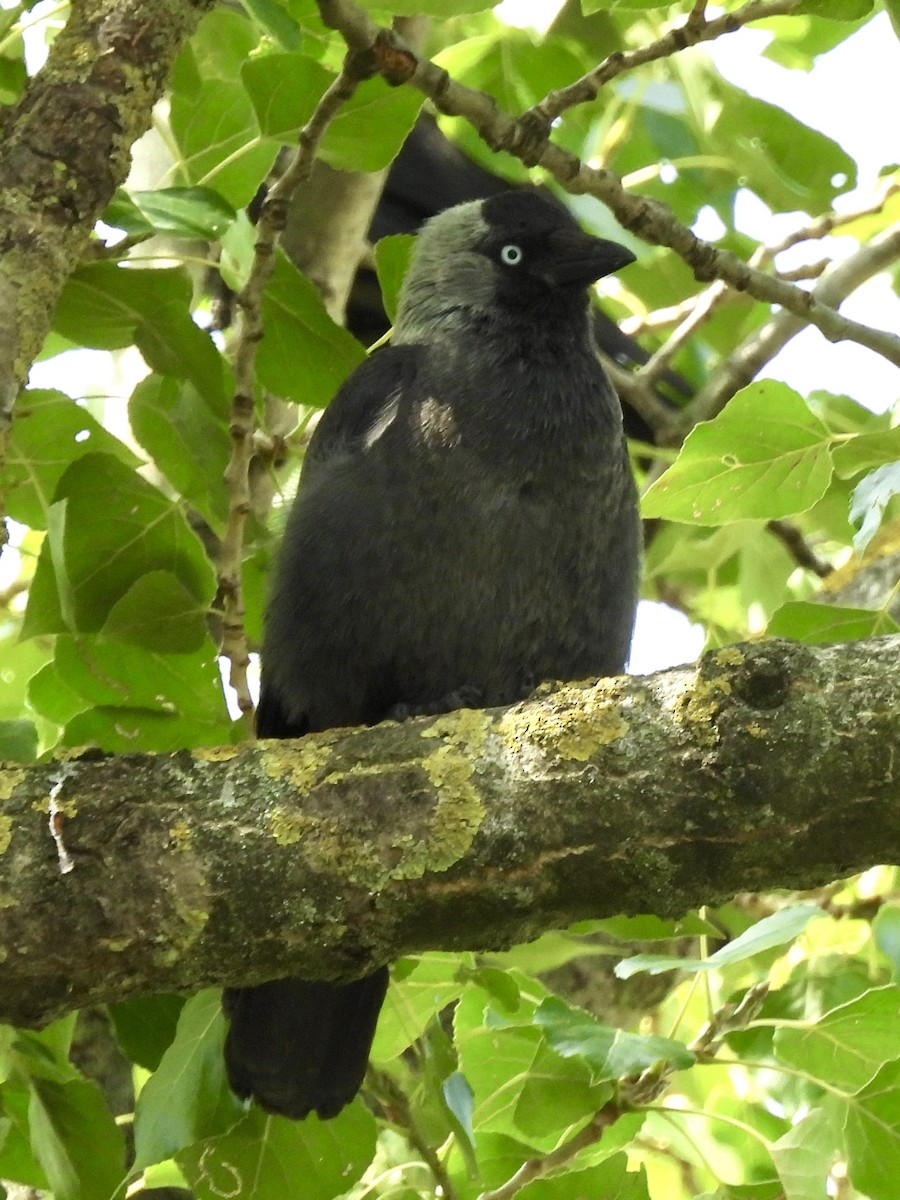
466	527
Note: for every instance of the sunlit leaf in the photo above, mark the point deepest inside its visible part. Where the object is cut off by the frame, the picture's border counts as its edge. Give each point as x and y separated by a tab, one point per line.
847	1046
219	140
805	621
370	128
187	440
869	500
49	433
775	930
392	256
284	89
611	1053
188	1097
804	1157
263	1157
181	212
766	455
87	564
109	307
304	355
872	1133
75	1139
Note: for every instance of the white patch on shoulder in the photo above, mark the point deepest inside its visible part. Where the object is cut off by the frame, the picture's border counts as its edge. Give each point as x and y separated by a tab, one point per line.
387	414
438	424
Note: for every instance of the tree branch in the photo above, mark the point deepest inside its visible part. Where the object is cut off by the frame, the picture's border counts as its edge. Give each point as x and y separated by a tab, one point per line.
650	219
769	764
693	30
742	366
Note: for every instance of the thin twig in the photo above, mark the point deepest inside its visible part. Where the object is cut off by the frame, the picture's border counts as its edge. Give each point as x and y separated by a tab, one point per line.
272	220
639	394
695	29
703	308
798	548
747	360
535	1168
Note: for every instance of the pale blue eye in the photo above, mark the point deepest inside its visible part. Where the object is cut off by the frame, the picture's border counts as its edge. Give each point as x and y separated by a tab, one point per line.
511	255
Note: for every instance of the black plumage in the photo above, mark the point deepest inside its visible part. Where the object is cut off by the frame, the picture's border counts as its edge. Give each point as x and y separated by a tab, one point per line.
466	526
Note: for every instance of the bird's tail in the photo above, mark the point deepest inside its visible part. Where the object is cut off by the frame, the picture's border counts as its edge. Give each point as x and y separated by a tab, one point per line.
298	1046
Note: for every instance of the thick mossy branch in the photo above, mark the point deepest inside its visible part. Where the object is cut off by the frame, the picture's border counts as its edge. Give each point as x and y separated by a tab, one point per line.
769	765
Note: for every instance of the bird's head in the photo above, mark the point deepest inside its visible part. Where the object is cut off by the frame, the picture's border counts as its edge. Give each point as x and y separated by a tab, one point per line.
516	253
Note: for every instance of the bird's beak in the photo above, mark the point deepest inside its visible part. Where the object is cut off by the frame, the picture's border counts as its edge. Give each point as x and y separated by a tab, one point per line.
578	259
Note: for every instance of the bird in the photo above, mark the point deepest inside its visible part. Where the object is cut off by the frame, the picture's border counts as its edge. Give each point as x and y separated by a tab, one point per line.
465	528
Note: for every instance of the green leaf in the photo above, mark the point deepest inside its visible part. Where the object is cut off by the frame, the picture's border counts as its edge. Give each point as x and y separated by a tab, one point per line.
610	1179
813	623
869	500
370	128
522	1087
392	255
108	307
837	10
439	8
18	741
17	1161
218	137
872	1135
414	998
22	661
108	527
271	17
50	431
75	1139
647	928
804	1157
786	163
159	613
106	674
123	697
133	699
766	455
848	1045
864	450
772	931
145	1027
187	441
304	356
611	1053
284	90
223	41
886	931
52	697
264	1157
458	1098
188	1097
130	729
180	212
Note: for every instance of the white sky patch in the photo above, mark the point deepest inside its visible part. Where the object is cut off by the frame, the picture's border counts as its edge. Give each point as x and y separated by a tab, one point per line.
663	637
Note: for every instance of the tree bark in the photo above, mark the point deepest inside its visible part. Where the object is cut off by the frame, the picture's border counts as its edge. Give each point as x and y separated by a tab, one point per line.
66	148
768	765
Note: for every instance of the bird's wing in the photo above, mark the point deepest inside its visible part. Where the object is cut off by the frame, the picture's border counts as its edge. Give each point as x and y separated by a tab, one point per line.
364	402
317	659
